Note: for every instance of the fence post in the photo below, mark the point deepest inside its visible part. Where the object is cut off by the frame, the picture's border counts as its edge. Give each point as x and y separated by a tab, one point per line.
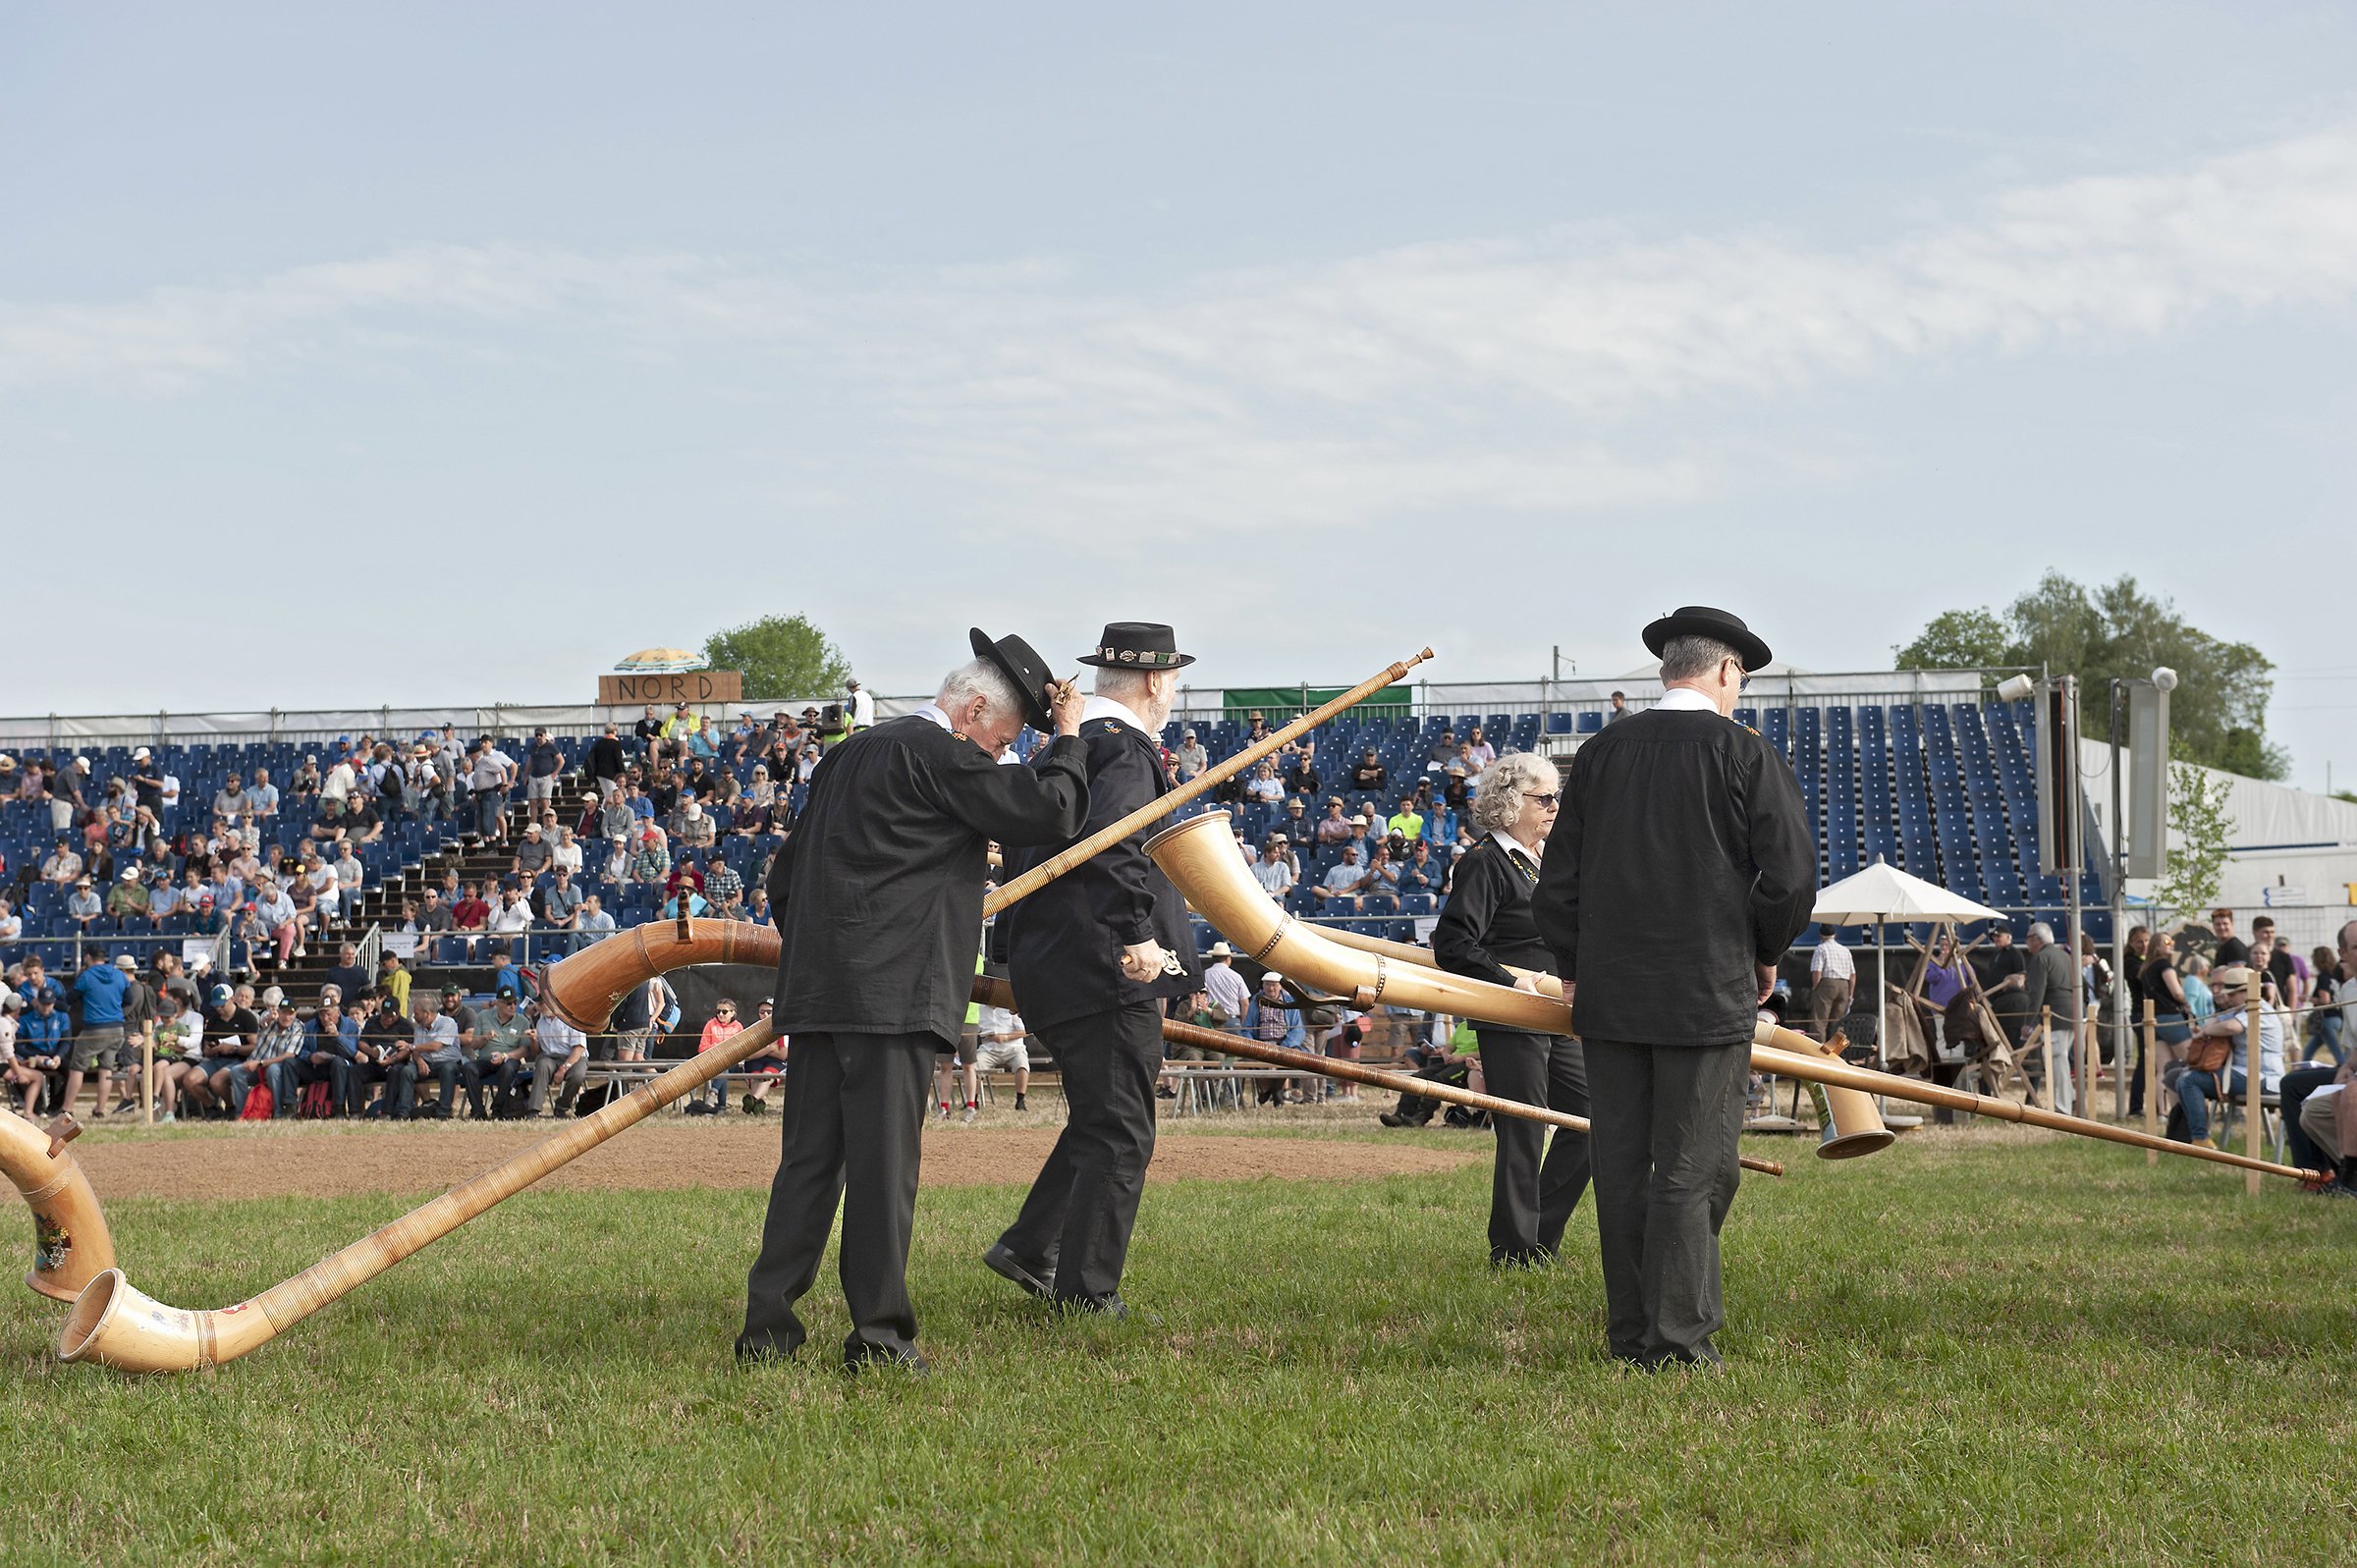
2254	1017
2046	1043
147	1081
2090	1059
2150	1061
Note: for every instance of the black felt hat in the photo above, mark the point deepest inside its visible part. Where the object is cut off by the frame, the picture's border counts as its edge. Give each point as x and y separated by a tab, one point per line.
1138	645
1701	620
1019	663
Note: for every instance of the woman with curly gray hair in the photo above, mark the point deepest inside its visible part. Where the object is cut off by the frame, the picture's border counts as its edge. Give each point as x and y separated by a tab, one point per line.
1486	931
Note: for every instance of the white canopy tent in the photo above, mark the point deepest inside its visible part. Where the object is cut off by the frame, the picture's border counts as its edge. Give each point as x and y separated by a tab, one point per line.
1882	894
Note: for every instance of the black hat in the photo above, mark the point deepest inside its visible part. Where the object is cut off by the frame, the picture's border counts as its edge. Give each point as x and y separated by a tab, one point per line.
1701	620
1138	645
1019	663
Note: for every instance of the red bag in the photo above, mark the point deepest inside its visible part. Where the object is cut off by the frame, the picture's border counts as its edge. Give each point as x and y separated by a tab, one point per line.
260	1103
317	1104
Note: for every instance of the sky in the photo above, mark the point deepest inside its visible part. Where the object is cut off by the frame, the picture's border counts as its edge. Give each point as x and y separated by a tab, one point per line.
446	354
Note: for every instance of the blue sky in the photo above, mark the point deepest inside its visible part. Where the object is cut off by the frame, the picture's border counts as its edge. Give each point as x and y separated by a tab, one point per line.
446	354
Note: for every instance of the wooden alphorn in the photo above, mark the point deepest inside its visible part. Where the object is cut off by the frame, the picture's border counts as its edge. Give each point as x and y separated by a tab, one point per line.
997	994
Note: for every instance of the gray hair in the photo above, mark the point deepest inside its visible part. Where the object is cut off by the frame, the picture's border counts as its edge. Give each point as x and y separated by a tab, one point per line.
1498	798
979	677
2040	930
1684	658
1122	684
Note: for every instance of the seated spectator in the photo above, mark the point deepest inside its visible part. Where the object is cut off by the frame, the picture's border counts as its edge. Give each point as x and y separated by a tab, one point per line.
61	867
724	889
1441	752
319	880
617	818
83	905
2239	991
277	1058
1297	765
749	817
1465	759
1264	788
1332	828
1191	758
650	861
721	1027
433	917
264	793
1296	821
1369	776
502	1042
769	1063
1422	873
470	912
561	904
592	922
1273	1019
434	1049
1408	822
1256	729
511	916
1345	881
1272	871
44	1042
18	1080
11	924
560	1056
271	919
1000	1046
1450	1059
1358	839
127	898
696	904
351	877
694	826
533	855
1479	751
1440	824
1383	884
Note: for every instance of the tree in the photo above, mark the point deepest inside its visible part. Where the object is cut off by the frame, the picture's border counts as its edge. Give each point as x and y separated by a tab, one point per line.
2217	715
2198	832
782	657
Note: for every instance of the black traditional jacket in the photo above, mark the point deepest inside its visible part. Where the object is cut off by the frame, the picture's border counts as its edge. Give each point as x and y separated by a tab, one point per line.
1486	925
1064	944
878	891
1683	857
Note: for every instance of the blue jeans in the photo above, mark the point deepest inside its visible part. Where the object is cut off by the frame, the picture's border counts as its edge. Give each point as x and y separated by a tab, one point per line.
2327	1033
2195	1089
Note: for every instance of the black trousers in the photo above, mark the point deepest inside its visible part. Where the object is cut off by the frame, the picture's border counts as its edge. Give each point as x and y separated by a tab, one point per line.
1667	1122
1075	1223
1529	1200
2298	1084
854	1113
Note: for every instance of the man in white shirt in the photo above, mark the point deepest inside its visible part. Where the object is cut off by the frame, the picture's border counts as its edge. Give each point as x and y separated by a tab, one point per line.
1345	881
864	706
1191	758
1832	973
1001	1050
490	775
560	1054
1272	871
338	783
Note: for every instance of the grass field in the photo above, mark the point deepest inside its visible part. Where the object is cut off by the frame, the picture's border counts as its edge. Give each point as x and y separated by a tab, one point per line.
1994	1347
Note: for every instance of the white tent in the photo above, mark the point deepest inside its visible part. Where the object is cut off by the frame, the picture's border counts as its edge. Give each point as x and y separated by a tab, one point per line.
1882	894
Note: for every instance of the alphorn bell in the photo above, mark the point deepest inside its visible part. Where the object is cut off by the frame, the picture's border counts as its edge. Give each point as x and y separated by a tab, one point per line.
70	1246
1200	856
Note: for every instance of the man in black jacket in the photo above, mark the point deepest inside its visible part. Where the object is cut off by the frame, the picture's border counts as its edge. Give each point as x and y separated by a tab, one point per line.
1680	871
878	895
1091	957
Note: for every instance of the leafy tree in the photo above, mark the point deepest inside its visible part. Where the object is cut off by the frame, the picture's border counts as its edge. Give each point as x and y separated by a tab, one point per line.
782	657
2198	832
2217	715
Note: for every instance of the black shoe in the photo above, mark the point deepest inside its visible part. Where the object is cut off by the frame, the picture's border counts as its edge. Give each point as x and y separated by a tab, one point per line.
702	1108
872	1358
1000	1260
1393	1118
1019	1103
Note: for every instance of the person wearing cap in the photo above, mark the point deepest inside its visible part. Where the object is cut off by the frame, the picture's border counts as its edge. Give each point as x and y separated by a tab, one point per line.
43	1042
127	898
862	704
1334	828
148	781
502	1040
61	867
1681	867
1093	957
277	1053
232	1032
1486	931
83	905
1191	758
1271	1019
2241	992
878	895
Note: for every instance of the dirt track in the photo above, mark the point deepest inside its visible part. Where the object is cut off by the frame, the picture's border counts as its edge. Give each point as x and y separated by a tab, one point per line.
330	1161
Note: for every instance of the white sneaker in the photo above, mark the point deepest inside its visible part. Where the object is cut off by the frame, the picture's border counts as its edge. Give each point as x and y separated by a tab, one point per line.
970	1114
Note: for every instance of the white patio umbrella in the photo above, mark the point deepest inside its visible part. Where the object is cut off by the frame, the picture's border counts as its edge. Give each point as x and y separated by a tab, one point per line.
1882	894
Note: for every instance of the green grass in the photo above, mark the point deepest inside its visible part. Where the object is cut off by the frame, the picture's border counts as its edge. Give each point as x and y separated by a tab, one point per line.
1988	1349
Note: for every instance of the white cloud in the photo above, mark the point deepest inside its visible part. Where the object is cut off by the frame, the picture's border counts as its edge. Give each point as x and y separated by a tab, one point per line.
1505	372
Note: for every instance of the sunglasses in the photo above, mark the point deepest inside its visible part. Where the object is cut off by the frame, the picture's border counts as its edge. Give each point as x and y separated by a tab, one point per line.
1547	799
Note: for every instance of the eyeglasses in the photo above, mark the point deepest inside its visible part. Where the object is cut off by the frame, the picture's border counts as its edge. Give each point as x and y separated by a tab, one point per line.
1547	799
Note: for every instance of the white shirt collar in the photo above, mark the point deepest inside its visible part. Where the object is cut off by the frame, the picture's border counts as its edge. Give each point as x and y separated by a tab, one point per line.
1515	846
1686	699
933	711
1097	707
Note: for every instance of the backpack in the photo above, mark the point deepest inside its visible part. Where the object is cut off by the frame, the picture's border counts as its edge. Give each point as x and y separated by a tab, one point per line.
260	1103
318	1102
514	1103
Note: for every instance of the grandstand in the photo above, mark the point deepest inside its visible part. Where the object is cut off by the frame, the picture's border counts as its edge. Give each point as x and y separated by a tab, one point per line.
1941	788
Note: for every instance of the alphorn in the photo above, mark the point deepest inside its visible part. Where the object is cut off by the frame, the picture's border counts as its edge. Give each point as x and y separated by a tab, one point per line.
70	1246
1200	855
999	993
1201	858
116	1326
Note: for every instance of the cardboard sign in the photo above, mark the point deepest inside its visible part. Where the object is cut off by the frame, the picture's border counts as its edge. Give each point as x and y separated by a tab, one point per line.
668	690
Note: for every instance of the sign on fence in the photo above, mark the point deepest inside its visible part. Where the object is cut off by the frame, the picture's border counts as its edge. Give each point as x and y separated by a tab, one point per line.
683	685
2282	898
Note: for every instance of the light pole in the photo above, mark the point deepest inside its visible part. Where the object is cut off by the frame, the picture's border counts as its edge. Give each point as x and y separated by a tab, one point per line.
2152	842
